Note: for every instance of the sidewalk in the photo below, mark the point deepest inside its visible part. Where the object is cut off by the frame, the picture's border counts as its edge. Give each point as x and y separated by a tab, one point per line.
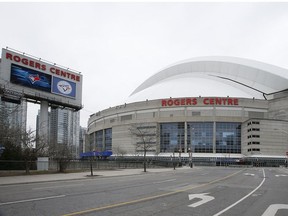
22	179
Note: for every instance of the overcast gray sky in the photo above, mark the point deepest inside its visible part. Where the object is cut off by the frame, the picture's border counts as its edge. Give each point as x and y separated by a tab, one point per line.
117	46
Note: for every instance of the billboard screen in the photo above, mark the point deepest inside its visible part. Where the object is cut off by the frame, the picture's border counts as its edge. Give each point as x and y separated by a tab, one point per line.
40	80
30	78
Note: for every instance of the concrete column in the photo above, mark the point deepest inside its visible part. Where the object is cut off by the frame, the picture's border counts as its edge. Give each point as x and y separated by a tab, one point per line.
214	137
185	136
43	121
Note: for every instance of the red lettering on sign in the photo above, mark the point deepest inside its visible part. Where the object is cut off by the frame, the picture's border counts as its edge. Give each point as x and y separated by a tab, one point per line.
25	61
170	102
37	65
218	101
72	76
206	101
52	70
176	102
211	101
188	101
31	63
230	101
16	58
68	75
43	67
9	56
221	101
194	101
63	73
183	101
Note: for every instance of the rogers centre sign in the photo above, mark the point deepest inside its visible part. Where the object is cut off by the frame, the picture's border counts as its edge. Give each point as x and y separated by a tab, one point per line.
40	80
41	66
209	101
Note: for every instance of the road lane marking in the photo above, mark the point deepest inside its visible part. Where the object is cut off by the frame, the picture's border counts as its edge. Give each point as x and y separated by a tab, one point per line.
149	198
272	209
249	174
234	204
281	175
204	199
32	200
58	186
164	181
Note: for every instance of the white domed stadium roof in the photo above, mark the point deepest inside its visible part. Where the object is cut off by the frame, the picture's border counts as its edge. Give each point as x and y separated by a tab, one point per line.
213	77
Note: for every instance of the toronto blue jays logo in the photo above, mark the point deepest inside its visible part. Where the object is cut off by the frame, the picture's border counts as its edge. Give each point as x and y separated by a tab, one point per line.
64	87
34	78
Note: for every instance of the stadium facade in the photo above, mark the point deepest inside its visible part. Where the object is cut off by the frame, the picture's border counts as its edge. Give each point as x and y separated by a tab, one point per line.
210	107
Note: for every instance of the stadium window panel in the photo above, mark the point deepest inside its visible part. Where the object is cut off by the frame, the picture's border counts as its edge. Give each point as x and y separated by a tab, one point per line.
99	140
228	137
172	137
200	137
108	139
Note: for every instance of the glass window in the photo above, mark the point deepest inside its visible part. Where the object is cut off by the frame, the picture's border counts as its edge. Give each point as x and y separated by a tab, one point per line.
228	137
172	137
99	140
200	135
108	139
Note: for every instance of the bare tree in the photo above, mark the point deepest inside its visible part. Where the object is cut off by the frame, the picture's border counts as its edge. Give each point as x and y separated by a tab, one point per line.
61	152
10	141
20	144
119	152
146	139
30	151
91	157
16	142
10	136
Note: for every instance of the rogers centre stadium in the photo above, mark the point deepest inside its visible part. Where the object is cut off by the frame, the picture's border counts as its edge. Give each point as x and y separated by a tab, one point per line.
207	109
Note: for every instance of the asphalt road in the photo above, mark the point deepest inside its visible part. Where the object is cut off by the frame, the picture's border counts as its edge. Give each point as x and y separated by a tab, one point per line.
198	191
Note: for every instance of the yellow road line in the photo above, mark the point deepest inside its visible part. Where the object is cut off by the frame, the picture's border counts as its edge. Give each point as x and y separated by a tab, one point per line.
149	198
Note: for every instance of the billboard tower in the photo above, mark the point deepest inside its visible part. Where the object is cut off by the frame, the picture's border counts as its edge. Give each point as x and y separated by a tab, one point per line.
39	81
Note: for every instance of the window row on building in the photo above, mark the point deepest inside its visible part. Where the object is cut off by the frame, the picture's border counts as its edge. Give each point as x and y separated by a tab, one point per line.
198	137
101	140
201	137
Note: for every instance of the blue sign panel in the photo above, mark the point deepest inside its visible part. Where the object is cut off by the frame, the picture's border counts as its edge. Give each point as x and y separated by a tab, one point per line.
30	78
63	87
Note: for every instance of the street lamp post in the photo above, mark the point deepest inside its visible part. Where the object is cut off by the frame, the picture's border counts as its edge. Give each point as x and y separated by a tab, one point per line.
190	149
180	162
174	163
190	158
